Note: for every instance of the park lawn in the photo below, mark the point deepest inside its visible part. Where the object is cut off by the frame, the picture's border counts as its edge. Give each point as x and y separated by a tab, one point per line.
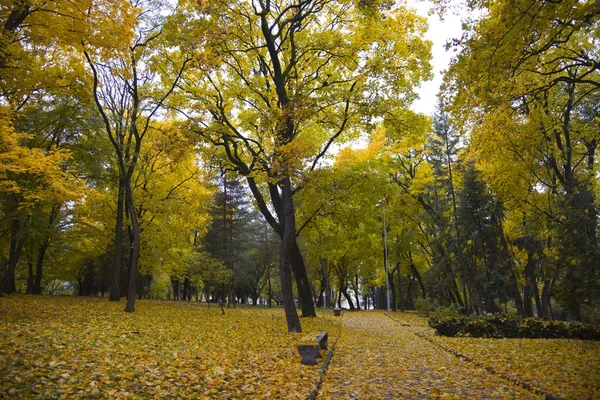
70	347
565	368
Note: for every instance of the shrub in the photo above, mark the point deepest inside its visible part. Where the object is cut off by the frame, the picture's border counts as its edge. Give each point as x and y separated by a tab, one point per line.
424	306
450	311
503	326
447	326
543	328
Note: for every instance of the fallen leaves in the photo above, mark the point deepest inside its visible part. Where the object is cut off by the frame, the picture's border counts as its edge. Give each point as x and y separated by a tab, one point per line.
563	368
70	347
376	358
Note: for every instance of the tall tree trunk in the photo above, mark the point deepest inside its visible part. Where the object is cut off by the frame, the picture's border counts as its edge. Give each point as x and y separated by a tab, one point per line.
135	252
392	290
356	291
37	279
288	242
305	293
14	253
115	279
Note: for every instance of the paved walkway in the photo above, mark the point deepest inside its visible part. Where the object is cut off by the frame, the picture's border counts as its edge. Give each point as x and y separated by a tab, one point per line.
377	358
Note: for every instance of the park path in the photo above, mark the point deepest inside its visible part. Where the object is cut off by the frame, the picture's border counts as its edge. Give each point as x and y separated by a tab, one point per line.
378	358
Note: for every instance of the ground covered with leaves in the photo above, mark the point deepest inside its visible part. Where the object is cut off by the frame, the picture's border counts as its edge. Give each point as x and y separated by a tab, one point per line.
68	347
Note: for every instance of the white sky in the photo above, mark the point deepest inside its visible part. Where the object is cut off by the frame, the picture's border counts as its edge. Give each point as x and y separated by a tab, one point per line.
439	33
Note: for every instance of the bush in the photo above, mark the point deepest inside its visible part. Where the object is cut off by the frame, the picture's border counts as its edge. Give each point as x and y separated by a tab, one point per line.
424	306
447	326
543	328
450	311
503	326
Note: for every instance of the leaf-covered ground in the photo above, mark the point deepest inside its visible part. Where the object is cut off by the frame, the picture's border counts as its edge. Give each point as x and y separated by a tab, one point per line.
68	347
561	367
377	358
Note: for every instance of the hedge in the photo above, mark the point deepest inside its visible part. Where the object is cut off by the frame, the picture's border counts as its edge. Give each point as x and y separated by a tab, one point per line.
503	326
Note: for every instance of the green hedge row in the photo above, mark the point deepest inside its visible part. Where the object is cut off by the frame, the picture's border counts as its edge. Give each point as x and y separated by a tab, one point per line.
503	326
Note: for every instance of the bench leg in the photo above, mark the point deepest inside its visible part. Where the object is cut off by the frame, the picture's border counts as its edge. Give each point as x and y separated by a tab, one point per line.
309	354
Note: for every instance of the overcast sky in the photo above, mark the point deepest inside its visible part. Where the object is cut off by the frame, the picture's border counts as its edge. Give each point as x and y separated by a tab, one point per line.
439	33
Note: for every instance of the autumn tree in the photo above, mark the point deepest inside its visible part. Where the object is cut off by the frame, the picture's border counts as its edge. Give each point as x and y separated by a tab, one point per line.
294	79
128	100
38	106
525	84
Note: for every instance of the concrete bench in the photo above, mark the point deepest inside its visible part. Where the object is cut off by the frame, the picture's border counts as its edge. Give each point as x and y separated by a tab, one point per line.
310	345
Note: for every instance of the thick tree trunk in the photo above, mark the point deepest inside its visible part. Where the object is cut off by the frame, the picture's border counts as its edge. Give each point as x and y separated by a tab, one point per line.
288	242
37	279
305	293
115	279
14	253
135	252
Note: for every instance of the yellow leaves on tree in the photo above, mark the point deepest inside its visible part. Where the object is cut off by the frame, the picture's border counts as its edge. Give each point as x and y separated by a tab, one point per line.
32	175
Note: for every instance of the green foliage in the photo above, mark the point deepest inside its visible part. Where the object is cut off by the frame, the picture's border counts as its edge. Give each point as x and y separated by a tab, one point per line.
502	326
451	311
425	305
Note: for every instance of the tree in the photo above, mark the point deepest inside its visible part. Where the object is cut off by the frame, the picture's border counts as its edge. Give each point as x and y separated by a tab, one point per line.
525	84
128	100
29	178
294	79
39	37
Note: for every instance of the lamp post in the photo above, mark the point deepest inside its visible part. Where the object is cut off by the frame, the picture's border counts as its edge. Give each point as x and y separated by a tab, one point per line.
385	255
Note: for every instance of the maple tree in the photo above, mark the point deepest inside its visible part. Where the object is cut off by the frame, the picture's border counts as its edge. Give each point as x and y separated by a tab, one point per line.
293	79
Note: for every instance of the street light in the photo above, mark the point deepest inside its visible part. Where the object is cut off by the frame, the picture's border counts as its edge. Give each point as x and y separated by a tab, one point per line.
381	203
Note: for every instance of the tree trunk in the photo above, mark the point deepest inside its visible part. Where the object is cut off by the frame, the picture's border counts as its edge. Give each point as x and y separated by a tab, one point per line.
37	279
321	302
115	280
288	243
14	253
356	292
135	253
392	290
305	293
348	299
